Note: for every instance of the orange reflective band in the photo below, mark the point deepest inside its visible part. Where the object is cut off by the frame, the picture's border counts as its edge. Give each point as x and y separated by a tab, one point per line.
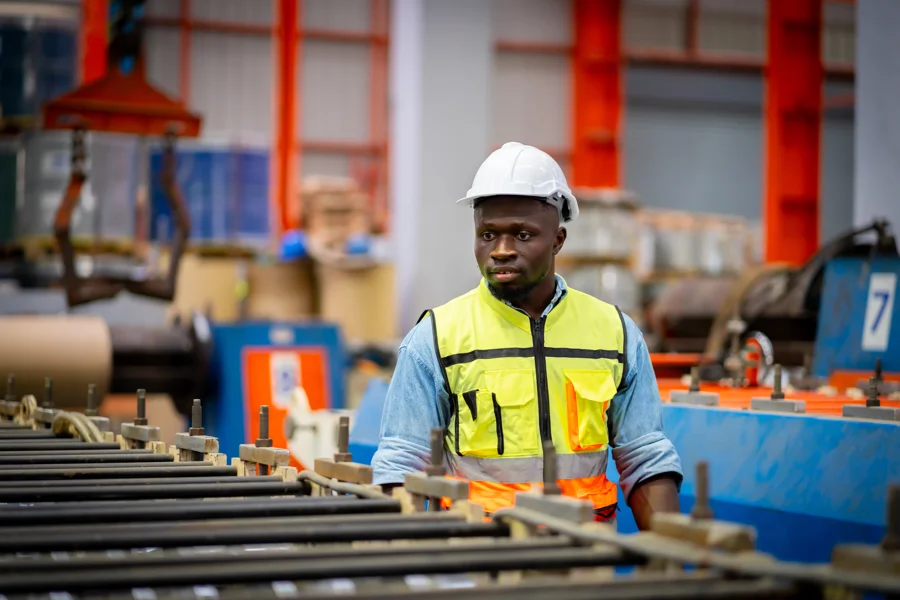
492	495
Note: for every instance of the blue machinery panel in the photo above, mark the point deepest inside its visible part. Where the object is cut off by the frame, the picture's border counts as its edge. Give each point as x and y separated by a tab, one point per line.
226	418
859	316
806	483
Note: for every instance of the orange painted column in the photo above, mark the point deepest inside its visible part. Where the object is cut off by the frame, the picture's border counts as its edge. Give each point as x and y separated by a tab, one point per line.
286	111
93	39
184	73
597	93
793	110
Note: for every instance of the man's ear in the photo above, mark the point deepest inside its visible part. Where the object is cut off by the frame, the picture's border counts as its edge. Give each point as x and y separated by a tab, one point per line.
560	240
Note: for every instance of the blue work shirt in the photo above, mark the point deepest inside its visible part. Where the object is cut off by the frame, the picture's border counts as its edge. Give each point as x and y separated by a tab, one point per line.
417	401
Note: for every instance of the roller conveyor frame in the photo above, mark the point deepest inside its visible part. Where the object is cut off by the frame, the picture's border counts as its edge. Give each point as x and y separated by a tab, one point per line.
556	521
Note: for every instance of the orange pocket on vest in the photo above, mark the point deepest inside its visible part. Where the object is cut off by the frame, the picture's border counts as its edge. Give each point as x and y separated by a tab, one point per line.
588	394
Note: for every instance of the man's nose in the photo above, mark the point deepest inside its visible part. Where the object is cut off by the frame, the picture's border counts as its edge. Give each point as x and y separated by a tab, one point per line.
504	249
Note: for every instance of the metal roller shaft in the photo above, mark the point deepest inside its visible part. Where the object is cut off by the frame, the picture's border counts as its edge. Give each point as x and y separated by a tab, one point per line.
232	479
70	467
118	473
176	537
233	489
54	446
194	510
232	554
12	435
484	560
102	456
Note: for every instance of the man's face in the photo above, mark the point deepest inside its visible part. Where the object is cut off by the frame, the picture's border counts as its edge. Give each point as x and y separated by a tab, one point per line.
516	239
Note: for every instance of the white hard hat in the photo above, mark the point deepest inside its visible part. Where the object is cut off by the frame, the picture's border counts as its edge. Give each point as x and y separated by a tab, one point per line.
519	170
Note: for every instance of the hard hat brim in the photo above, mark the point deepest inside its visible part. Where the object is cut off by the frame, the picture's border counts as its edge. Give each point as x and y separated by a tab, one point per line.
573	203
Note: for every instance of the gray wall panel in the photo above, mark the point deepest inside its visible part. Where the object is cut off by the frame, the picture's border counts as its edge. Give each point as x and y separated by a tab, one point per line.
317	163
344	15
250	12
531	97
335	83
694	141
547	21
232	84
162	48
877	143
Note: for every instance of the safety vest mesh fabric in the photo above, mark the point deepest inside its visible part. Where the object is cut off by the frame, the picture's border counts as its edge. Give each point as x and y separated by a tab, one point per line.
516	381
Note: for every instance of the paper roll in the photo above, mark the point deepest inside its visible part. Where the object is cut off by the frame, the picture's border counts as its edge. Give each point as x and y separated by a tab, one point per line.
72	350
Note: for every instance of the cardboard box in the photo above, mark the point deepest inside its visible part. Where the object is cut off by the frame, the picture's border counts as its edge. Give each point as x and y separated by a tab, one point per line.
335	209
359	296
281	291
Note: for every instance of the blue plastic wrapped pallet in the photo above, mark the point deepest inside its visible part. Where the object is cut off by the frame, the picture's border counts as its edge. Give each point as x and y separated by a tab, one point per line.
106	208
9	186
38	62
226	189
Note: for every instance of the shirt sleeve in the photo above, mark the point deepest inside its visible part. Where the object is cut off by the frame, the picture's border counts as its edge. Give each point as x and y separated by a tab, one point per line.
416	402
639	446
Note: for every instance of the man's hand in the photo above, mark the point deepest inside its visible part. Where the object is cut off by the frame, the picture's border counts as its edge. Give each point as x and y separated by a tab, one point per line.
657	494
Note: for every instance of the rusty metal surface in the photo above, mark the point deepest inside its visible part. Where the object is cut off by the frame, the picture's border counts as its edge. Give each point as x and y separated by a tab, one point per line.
272	457
203	444
436	487
344	471
140	433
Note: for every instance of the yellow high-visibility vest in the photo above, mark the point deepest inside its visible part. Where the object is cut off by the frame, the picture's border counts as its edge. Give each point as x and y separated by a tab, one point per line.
515	382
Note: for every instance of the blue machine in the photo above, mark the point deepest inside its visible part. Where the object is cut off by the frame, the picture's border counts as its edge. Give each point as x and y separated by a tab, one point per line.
806	483
259	363
859	317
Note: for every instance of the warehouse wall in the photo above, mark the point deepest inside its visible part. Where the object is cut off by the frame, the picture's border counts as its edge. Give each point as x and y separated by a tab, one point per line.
230	74
878	134
693	140
441	73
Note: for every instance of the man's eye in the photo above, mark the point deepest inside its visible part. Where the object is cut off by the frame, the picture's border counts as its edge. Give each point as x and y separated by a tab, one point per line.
487	236
524	236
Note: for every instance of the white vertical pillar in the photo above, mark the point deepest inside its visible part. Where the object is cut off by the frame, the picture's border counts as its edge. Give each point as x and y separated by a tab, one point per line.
441	63
877	181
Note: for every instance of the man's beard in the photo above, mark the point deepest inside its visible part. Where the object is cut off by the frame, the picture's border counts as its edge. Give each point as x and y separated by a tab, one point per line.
513	293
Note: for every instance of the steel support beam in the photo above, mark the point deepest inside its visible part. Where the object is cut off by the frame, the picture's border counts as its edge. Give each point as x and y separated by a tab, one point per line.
92	39
793	108
287	56
597	66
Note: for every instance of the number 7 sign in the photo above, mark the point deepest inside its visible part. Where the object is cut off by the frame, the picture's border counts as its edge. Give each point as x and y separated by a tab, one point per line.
879	311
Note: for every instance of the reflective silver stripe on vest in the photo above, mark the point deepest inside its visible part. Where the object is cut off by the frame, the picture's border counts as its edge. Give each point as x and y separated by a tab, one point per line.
527	470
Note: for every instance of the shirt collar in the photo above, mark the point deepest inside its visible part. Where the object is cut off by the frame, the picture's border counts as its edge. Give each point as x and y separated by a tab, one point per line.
561	292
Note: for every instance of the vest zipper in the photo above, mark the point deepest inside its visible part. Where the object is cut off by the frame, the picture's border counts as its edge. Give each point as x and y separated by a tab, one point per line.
540	363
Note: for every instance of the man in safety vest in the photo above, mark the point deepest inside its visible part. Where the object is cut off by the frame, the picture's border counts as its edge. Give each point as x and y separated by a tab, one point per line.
523	359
